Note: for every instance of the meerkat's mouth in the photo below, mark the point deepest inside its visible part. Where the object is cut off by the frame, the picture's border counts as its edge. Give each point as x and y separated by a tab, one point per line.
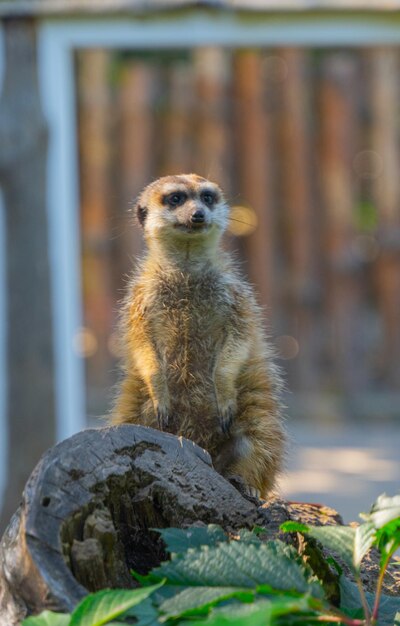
192	228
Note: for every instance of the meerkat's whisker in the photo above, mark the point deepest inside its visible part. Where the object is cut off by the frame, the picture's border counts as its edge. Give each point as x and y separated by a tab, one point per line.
235	219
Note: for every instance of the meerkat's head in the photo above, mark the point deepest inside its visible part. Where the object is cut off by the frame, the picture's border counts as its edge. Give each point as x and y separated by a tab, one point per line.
182	208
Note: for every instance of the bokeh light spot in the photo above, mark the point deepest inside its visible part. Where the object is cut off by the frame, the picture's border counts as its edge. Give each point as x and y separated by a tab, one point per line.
242	221
85	342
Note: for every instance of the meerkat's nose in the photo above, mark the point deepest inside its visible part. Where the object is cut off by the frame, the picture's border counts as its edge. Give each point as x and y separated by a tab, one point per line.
198	216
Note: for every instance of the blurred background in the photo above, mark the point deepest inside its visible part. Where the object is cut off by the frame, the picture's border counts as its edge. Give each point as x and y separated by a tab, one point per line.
306	145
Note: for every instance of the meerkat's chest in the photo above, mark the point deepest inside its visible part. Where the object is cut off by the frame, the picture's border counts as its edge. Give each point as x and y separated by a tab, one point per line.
192	314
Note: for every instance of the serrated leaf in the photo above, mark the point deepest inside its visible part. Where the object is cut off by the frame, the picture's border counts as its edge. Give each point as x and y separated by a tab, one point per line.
389	608
237	565
350	602
384	510
261	613
146	613
248	536
363	541
350	544
196	601
48	618
104	606
180	540
338	539
245	615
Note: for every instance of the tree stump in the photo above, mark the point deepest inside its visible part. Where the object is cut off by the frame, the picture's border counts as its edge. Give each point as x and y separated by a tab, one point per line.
89	509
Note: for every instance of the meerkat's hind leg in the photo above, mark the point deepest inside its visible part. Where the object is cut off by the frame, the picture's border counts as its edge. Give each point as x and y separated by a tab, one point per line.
257	456
128	402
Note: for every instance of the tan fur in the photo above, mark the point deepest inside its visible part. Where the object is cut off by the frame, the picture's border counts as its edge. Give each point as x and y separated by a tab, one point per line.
195	355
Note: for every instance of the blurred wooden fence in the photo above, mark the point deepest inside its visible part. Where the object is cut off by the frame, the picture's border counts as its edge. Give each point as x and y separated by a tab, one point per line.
304	142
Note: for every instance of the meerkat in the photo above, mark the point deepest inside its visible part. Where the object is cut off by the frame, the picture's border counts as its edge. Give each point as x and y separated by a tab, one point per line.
196	361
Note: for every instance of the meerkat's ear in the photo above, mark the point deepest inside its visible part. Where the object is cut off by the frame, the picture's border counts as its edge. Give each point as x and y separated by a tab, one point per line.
141	213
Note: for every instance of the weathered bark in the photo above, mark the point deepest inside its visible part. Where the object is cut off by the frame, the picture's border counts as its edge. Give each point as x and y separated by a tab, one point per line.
87	510
89	505
23	142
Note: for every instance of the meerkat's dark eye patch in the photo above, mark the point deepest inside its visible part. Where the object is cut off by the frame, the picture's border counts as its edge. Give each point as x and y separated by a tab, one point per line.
208	197
141	212
177	198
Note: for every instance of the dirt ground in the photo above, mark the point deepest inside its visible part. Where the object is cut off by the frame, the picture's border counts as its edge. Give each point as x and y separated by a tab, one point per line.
343	464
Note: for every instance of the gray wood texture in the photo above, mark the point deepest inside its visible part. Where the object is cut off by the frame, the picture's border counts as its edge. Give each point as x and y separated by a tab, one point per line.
23	151
87	509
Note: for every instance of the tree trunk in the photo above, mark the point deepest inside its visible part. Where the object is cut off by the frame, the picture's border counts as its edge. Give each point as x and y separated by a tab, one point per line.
23	141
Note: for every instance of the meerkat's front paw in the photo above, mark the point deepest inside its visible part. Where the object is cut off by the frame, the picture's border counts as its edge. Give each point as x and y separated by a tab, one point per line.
226	417
243	487
162	415
253	492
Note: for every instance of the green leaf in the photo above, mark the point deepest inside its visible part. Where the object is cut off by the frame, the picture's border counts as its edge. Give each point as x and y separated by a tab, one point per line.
397	619
294	527
363	541
350	602
350	544
246	615
195	600
334	564
145	613
48	618
248	536
389	610
258	530
179	540
338	539
238	564
383	511
385	517
261	613
104	606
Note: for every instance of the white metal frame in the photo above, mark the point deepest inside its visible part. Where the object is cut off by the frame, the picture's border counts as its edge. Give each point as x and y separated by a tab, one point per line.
3	322
57	42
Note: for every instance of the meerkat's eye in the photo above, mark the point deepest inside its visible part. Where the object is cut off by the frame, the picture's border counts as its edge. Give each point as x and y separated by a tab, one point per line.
176	199
208	197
